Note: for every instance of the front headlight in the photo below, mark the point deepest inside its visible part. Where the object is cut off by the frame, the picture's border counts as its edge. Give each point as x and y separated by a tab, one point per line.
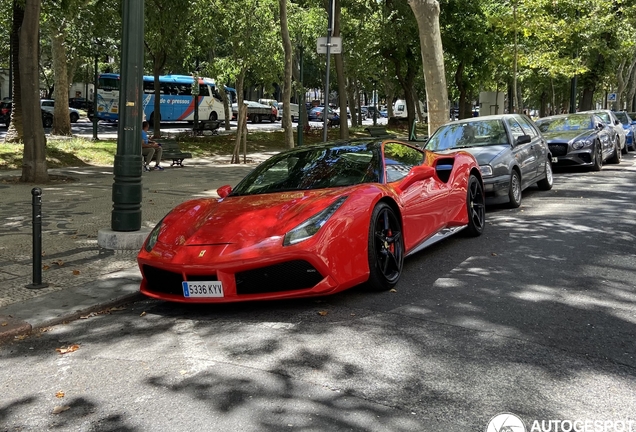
154	235
311	226
486	170
579	144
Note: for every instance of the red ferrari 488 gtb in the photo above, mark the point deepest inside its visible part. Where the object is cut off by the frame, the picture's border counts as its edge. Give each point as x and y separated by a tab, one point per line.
313	221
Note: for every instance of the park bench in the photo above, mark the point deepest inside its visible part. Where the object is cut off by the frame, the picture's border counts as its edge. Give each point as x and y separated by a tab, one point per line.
206	125
171	151
378	131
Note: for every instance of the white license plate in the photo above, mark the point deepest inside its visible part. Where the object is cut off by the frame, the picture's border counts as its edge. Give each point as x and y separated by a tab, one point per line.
202	289
555	160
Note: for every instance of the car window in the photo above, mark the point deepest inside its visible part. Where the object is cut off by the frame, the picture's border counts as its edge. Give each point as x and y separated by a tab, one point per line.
468	134
623	117
566	123
48	104
399	159
527	127
515	128
604	116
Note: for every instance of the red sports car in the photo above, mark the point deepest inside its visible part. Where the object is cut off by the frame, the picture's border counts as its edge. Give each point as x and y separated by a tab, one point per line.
313	221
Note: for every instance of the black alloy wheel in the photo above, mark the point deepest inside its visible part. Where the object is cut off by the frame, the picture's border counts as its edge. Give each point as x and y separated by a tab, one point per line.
514	193
74	117
386	249
598	157
476	206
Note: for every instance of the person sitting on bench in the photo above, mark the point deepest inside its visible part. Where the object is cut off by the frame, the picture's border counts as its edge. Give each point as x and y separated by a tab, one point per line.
150	148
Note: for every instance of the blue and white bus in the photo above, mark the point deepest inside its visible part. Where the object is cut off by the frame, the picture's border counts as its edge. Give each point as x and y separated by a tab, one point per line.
177	102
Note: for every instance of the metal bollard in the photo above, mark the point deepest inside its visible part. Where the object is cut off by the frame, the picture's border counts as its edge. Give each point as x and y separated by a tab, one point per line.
36	202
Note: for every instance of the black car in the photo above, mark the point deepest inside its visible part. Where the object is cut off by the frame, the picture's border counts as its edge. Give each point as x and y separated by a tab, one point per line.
5	115
579	139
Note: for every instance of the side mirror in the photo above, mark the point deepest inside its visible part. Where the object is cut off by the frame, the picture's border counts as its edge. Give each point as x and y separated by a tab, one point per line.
523	139
600	126
617	122
417	173
224	191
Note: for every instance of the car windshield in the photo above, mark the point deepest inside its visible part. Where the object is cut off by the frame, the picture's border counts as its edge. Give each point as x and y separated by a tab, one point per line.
468	134
623	117
316	167
604	116
566	123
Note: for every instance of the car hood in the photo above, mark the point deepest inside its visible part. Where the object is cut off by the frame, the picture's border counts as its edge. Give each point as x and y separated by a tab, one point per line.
566	136
486	154
244	220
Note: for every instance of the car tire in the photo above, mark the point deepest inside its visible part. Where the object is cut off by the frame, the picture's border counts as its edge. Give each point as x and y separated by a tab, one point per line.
624	149
546	183
47	122
385	248
598	157
514	191
74	117
617	156
272	118
213	116
476	207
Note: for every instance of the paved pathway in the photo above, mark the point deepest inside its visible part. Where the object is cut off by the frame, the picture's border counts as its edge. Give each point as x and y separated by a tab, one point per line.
73	212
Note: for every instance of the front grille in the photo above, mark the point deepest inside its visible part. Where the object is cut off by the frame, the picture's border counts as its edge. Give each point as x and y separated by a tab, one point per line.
287	276
558	149
163	281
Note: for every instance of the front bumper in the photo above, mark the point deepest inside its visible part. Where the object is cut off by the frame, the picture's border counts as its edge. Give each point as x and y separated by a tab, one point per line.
566	156
497	189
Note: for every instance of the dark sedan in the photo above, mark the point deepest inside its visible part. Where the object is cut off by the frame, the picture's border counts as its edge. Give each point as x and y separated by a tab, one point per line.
579	139
316	114
510	150
629	125
5	115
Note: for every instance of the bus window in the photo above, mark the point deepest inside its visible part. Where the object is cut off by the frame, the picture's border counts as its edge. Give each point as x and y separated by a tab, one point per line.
108	84
203	90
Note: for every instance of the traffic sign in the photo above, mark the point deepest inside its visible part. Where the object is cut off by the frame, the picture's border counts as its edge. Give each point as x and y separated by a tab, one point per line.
335	45
611	97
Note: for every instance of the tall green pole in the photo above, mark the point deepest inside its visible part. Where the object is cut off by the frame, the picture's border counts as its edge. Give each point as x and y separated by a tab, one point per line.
126	215
95	85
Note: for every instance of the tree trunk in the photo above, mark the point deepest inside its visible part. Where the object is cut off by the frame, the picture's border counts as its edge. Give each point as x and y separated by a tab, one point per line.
155	117
340	74
241	117
287	87
61	119
351	97
227	112
15	130
427	16
34	160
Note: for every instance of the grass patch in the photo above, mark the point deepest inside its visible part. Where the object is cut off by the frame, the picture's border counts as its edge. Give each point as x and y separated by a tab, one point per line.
80	151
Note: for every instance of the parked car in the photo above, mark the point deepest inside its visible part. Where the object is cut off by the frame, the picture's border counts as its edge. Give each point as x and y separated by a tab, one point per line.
49	105
7	107
316	114
579	139
5	113
511	152
294	111
279	232
629	125
614	125
256	112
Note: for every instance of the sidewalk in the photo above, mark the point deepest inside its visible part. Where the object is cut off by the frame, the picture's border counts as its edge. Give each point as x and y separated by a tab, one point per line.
83	277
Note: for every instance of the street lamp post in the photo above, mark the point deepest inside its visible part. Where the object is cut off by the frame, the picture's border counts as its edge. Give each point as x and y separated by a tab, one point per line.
302	110
95	84
126	214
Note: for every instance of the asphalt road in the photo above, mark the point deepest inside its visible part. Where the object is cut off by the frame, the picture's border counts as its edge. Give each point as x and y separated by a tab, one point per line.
537	317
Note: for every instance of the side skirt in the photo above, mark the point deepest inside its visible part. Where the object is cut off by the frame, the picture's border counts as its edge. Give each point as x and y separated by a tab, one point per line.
440	235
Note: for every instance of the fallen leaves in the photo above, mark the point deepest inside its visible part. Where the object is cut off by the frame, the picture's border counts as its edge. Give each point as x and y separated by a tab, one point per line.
142	314
58	263
76	272
323	313
45	267
493	254
103	312
68	349
61	409
4	324
393	290
21	337
59	394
